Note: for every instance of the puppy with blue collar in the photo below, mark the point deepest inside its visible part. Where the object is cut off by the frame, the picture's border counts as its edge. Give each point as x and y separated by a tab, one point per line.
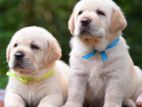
102	71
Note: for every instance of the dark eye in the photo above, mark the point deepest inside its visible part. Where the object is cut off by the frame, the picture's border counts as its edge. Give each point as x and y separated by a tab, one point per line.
15	45
35	47
80	12
99	12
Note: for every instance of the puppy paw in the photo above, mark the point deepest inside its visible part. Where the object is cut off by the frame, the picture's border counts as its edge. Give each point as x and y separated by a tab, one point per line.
45	105
72	104
14	105
112	105
48	105
129	103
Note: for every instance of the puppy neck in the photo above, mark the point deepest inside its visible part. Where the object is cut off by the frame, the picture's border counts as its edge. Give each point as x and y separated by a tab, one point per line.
80	47
97	44
25	79
100	44
36	73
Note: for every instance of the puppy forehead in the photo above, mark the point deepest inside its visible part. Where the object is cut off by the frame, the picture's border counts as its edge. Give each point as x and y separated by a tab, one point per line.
29	34
95	4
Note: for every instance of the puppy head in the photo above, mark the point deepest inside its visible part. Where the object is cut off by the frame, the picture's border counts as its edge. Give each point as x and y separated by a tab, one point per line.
31	49
96	20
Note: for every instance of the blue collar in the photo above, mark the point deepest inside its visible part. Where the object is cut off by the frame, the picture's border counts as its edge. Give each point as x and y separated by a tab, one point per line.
102	53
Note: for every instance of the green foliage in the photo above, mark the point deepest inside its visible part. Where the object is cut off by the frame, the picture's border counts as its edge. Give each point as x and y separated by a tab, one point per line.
133	32
3	82
54	15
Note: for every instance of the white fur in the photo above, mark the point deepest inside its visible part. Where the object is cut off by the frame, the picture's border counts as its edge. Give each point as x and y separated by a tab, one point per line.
50	92
113	82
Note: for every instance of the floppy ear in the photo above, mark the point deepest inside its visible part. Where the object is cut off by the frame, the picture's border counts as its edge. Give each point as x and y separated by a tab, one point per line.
71	25
8	53
53	51
118	21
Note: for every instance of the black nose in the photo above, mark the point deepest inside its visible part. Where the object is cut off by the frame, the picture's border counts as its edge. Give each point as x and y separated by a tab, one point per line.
19	55
85	22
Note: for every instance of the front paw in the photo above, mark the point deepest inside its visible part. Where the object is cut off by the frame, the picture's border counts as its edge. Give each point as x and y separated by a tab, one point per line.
14	105
72	104
112	105
46	105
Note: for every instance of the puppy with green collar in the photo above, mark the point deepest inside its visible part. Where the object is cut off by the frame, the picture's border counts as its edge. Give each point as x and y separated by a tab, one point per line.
37	77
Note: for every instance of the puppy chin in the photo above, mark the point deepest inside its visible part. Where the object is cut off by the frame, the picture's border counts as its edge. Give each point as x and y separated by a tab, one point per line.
87	35
90	32
22	69
99	33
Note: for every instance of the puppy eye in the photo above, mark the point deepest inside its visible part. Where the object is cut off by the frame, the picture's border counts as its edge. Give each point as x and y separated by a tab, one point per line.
80	12
15	45
101	13
34	47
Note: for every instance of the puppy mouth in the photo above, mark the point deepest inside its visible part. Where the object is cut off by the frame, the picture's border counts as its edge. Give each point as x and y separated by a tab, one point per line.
22	70
84	31
18	64
90	32
22	66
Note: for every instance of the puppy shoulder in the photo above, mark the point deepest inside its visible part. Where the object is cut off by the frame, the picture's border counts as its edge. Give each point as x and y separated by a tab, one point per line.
124	43
62	69
60	65
78	47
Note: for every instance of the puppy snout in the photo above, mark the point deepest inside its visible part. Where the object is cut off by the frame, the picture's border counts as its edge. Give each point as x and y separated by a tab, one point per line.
19	55
85	22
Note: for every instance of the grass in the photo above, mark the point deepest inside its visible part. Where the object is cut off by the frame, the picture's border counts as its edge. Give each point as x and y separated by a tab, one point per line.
3	82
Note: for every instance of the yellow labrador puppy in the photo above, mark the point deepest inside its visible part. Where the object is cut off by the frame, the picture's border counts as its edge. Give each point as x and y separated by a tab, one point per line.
37	77
101	67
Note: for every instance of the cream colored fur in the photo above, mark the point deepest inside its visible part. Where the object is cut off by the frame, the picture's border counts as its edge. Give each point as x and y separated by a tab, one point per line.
50	92
110	83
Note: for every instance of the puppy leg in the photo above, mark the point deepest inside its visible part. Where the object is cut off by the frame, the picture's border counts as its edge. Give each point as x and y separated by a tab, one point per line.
13	100
77	88
113	97
129	103
139	101
53	100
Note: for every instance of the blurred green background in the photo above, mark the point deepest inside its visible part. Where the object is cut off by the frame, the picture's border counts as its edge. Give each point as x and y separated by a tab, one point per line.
54	15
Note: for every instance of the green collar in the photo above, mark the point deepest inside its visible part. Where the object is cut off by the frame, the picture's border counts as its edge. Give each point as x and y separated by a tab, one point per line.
27	79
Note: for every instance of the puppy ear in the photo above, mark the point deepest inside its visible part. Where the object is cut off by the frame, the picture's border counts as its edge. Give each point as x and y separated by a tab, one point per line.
71	25
118	21
8	53
53	51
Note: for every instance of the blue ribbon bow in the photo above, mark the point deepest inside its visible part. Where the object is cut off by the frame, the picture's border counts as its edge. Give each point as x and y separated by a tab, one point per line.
102	53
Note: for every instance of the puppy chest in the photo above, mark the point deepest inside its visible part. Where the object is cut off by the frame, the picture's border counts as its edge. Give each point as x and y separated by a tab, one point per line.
96	80
97	86
33	95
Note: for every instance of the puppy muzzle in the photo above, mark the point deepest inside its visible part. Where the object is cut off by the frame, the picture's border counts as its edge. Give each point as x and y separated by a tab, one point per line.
18	59
19	55
88	29
84	26
85	22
